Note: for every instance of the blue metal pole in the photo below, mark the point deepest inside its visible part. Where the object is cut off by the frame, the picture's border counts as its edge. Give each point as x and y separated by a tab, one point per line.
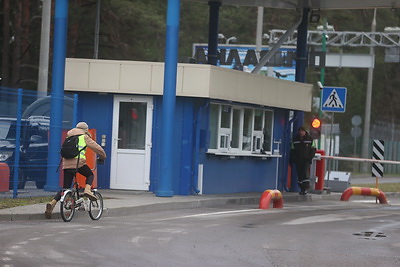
17	143
213	33
75	114
169	98
57	96
301	67
302	60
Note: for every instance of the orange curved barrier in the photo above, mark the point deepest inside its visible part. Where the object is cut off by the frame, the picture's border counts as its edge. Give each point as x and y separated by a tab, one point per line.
267	196
365	191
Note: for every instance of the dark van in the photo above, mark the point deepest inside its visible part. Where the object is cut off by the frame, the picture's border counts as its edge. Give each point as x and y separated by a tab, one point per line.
32	165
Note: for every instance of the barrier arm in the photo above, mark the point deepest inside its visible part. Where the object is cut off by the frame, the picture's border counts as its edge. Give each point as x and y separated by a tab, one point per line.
319	156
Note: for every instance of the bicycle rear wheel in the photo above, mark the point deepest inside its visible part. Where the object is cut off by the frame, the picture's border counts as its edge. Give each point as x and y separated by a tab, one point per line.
67	207
96	207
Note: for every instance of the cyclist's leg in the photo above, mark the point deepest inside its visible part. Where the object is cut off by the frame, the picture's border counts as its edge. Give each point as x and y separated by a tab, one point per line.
68	178
87	172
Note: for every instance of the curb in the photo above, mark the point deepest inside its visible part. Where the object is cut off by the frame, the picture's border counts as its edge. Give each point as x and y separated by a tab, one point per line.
25	212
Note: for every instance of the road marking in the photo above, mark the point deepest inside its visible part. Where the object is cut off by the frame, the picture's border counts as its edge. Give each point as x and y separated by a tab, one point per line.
136	240
171	230
209	214
328	218
162	241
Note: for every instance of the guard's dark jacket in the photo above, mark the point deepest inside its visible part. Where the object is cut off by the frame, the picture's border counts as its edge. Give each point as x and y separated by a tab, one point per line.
303	148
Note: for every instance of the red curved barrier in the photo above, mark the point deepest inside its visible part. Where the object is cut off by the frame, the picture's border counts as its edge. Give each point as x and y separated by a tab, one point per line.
365	191
4	177
267	196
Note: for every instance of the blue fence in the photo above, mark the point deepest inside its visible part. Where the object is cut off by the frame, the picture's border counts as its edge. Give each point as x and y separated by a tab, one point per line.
24	133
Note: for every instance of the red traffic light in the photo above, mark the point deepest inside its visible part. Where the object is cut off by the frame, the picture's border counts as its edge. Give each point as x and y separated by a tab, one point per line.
316	123
315	130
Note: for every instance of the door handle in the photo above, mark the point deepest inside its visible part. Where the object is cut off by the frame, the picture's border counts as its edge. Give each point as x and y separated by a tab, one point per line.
116	140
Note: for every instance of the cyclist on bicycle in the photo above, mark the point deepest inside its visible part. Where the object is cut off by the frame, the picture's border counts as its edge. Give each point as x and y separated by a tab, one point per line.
78	164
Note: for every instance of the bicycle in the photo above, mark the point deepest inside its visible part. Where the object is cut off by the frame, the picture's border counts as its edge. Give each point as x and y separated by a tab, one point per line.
72	200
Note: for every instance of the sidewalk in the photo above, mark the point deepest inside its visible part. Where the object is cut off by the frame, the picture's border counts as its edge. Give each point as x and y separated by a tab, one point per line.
122	203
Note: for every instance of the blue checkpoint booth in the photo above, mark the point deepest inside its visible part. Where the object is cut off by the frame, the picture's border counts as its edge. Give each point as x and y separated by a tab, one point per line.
229	126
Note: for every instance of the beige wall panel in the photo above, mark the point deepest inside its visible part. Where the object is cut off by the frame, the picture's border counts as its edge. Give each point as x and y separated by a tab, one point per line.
192	80
179	80
77	74
104	75
223	84
157	79
268	91
244	90
135	78
196	81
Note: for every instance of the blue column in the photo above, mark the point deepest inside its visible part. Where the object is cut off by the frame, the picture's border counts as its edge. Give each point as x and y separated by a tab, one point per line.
75	114
301	61
301	67
169	98
57	95
17	143
213	33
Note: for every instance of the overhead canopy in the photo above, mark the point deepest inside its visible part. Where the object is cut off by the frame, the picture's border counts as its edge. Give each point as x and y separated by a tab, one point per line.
313	4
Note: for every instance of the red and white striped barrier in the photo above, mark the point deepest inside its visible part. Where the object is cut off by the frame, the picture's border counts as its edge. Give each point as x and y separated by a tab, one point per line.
365	191
267	196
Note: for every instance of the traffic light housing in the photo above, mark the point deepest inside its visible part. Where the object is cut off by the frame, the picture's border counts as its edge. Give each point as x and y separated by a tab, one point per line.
315	129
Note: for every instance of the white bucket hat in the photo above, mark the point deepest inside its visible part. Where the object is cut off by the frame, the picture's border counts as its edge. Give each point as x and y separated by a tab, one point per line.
82	125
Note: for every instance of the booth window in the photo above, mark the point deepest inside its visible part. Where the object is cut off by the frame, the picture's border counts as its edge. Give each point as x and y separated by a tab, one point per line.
239	129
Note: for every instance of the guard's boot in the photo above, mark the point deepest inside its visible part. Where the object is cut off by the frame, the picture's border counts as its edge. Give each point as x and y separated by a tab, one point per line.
88	193
49	208
302	188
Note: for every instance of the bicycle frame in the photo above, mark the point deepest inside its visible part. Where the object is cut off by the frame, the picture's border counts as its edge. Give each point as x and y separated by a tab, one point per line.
72	200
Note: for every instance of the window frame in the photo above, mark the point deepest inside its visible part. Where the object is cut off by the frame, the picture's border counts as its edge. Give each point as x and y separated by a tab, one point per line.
238	117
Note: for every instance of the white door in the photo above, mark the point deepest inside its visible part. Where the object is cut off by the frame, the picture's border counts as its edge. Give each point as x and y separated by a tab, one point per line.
131	147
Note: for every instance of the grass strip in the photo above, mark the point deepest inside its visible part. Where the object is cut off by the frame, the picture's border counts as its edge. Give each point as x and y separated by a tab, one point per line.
6	203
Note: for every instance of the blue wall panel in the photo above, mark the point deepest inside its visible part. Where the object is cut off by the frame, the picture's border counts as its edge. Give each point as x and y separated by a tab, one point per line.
241	174
97	111
183	156
222	174
157	134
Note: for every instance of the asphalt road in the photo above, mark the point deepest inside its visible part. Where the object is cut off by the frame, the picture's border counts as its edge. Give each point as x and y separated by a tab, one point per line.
318	233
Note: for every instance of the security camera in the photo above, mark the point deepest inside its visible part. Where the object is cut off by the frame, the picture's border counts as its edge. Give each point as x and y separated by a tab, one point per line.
320	86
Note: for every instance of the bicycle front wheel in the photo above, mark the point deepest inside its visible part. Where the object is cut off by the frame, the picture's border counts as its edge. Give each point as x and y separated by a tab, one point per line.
96	206
67	207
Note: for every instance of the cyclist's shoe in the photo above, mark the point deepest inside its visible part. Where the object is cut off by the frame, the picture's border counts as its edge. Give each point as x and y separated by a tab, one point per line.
49	208
88	193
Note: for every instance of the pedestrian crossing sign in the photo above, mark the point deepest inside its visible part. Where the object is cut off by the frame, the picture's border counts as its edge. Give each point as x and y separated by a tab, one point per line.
334	99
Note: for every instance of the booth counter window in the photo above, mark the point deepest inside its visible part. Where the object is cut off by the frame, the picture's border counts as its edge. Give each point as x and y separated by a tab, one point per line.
240	130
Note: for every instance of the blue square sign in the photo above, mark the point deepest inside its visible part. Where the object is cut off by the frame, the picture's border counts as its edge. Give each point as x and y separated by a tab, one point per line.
334	99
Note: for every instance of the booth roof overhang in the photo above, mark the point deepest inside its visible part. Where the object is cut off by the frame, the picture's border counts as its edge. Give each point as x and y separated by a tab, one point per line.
312	4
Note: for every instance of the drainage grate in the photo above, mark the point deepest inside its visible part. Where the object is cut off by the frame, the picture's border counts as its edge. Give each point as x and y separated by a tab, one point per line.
370	235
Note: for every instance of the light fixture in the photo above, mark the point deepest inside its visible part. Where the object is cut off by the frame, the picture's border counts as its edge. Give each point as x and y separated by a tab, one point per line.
315	16
232	39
